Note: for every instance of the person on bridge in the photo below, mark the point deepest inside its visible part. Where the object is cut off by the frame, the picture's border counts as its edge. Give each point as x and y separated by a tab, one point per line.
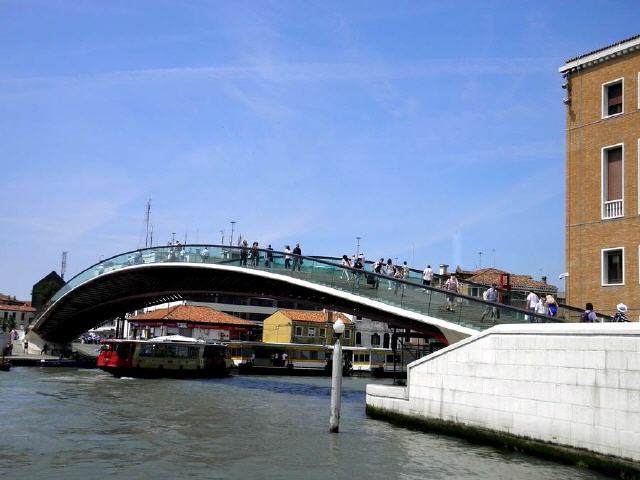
287	257
621	313
297	261
390	271
532	302
358	266
346	263
244	253
427	277
452	286
552	306
399	275
589	316
377	268
255	254
491	295
268	260
205	255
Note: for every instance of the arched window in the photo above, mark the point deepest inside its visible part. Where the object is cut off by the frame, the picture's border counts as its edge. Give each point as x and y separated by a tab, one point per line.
385	341
375	339
358	338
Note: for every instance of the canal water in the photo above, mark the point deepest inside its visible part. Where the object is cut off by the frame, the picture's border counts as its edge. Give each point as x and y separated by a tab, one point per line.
82	424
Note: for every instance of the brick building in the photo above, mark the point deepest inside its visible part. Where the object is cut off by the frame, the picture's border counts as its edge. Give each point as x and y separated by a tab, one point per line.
602	179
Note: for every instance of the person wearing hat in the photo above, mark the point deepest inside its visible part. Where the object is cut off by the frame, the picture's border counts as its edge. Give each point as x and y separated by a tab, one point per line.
621	314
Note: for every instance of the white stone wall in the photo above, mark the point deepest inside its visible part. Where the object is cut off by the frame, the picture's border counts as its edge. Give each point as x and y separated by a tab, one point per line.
569	384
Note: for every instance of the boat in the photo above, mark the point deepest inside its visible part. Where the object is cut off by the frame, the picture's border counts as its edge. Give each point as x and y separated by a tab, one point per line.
5	366
313	359
171	356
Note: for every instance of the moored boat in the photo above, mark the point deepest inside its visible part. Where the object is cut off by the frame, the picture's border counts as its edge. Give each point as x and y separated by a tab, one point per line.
172	356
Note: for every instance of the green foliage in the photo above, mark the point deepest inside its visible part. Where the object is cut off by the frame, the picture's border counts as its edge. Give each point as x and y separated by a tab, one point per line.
8	324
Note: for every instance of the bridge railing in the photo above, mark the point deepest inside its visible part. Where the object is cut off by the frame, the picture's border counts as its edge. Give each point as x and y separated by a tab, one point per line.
406	293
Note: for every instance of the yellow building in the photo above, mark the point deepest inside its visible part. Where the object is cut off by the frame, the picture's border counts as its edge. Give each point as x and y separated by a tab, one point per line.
602	192
302	326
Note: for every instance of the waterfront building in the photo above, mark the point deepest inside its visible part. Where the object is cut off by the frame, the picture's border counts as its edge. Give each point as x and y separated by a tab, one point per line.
198	322
18	313
602	192
370	333
298	326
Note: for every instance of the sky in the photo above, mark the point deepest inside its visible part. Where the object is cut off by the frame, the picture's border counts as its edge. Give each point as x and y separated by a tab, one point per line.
432	130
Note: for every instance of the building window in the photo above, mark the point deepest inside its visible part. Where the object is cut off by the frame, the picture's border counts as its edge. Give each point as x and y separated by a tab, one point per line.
298	331
612	181
375	339
358	338
613	266
385	340
612	98
311	332
323	332
347	334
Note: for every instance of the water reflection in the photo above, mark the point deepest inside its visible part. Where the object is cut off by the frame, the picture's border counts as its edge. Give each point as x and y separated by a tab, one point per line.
76	424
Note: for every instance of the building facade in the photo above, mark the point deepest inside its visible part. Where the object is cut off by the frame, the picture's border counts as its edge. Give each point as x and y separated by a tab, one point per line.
298	326
14	313
602	177
199	322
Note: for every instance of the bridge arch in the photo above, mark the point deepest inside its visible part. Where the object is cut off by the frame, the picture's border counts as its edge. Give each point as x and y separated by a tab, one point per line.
147	277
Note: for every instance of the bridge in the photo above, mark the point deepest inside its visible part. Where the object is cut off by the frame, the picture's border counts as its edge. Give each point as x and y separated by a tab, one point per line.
157	275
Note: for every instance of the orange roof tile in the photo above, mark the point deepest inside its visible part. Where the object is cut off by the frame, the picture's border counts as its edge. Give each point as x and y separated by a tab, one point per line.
192	314
488	276
17	308
313	317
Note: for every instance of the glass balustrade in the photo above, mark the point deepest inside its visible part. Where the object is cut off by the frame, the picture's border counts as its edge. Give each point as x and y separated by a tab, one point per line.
408	294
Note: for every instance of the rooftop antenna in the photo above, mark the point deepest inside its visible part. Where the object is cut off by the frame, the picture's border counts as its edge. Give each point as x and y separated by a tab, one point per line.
63	265
147	217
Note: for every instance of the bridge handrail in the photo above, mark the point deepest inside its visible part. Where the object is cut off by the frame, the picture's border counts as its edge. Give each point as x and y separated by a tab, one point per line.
327	261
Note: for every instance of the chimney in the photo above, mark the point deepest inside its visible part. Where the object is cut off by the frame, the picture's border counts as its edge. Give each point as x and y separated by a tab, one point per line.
328	316
443	269
544	279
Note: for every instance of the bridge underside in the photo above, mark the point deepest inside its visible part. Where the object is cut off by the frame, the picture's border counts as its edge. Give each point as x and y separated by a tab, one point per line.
113	294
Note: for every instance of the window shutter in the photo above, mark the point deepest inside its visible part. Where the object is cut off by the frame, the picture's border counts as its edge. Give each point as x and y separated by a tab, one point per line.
614	174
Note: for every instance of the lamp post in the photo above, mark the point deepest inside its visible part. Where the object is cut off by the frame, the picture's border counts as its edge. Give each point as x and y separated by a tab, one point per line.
336	378
231	237
358	246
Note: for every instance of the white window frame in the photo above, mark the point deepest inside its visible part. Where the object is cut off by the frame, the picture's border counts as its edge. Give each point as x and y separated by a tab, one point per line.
311	331
322	332
295	331
605	98
602	269
604	157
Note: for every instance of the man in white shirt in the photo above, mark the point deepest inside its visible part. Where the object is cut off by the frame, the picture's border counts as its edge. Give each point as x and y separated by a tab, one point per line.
427	276
532	301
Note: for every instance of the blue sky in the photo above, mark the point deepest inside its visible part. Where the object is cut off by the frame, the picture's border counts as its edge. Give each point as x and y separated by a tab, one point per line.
433	130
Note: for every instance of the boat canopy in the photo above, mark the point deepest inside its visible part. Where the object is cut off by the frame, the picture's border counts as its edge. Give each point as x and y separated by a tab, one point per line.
176	338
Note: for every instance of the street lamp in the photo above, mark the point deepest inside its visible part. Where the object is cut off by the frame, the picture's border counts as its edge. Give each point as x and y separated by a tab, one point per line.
358	245
231	238
336	378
